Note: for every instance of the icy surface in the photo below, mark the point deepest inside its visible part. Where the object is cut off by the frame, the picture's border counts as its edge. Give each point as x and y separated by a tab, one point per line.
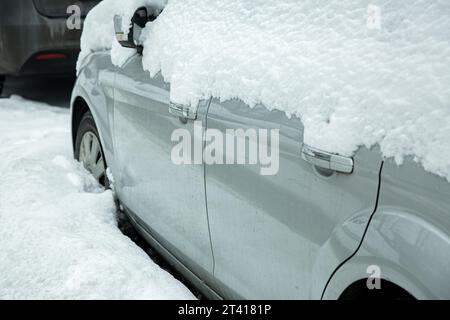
58	231
353	77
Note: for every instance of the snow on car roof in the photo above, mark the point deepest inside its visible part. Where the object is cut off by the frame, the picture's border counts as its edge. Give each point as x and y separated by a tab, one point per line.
358	73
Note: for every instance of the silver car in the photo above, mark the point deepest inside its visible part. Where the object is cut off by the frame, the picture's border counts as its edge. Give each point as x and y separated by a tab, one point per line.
323	227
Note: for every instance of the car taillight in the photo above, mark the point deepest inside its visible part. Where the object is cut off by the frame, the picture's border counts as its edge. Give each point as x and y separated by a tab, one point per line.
50	56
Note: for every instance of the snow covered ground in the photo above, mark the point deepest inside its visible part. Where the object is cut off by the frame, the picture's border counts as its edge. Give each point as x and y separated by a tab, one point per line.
58	232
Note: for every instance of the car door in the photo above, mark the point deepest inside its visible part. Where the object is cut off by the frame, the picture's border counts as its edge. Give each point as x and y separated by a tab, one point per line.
167	199
282	235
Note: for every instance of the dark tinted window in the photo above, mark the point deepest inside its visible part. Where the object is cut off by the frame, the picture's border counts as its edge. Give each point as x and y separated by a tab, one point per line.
58	8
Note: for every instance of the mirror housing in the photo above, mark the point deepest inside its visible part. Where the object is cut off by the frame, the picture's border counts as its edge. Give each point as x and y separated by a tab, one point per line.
125	40
130	39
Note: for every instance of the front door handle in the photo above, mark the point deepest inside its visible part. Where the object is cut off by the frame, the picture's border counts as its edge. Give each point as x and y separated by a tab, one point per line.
182	111
327	160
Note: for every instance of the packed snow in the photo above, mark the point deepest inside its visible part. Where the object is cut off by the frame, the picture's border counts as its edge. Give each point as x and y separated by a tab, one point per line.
58	230
357	72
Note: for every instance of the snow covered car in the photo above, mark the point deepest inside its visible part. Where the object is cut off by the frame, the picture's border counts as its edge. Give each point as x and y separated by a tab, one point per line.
35	39
360	204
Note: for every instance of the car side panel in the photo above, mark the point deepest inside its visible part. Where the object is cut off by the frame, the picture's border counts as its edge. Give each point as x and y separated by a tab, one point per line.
168	199
409	236
282	236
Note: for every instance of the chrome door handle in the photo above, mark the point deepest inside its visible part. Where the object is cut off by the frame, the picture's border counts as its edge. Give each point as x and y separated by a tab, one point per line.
327	160
182	111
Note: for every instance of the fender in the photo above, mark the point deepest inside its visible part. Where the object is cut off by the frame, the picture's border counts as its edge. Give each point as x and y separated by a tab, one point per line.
348	235
95	85
408	238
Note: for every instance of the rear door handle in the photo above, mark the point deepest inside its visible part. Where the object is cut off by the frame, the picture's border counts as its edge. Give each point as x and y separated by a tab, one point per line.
327	160
182	111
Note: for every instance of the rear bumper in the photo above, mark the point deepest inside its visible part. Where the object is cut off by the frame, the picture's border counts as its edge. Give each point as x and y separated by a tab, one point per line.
24	33
35	65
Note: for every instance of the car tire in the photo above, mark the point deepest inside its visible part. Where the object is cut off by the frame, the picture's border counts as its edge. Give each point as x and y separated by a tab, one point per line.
89	150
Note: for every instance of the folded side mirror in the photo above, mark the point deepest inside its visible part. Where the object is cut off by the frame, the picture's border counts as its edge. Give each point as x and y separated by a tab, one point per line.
130	38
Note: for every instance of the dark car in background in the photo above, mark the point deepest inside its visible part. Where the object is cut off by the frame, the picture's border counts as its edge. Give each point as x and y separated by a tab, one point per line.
35	38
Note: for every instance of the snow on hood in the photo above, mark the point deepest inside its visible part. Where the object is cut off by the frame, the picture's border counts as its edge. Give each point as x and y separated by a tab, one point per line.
358	73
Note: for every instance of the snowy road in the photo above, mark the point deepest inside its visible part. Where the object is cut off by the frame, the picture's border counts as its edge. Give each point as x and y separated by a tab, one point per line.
58	231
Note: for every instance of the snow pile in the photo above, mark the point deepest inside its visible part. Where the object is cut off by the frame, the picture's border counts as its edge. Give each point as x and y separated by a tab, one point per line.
58	233
354	77
100	27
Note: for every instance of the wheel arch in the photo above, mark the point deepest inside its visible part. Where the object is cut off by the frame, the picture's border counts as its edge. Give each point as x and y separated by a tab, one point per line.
410	252
79	108
94	91
387	290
